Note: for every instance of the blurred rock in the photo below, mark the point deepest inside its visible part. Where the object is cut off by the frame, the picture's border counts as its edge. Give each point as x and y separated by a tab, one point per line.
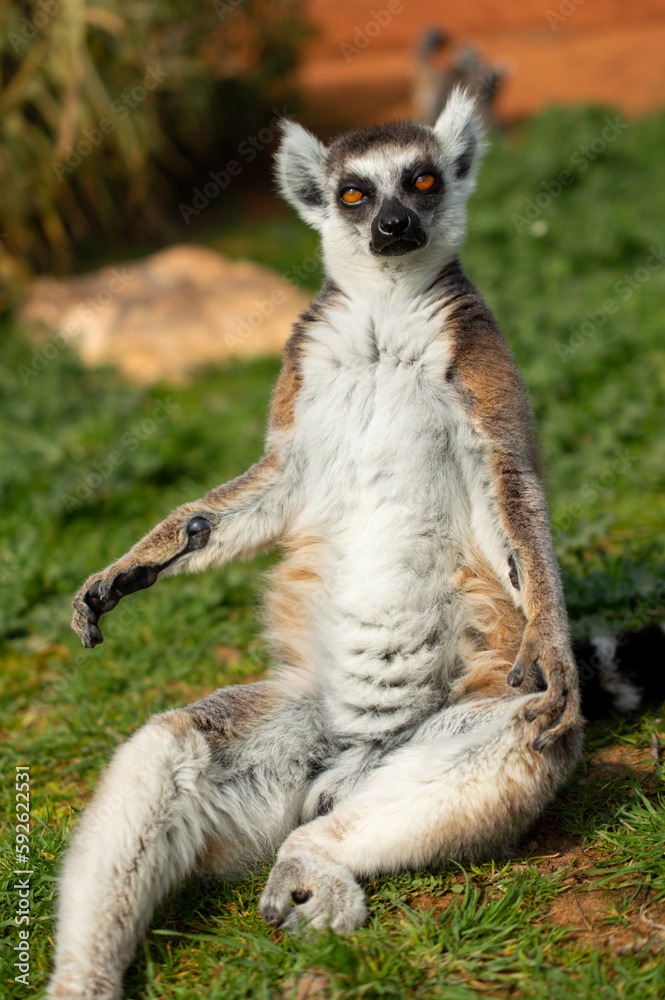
161	317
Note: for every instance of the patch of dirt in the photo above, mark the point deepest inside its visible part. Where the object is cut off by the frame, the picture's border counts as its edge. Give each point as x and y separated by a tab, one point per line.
628	762
427	903
549	839
311	986
610	919
598	918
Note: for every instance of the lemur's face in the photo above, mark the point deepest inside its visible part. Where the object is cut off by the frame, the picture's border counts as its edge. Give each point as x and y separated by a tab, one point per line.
385	193
386	200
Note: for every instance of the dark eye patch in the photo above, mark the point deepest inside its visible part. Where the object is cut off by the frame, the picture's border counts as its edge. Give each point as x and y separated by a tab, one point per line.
363	184
411	174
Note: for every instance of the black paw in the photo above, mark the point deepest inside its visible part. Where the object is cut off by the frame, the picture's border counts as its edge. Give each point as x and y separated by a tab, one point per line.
105	592
102	596
85	624
136	578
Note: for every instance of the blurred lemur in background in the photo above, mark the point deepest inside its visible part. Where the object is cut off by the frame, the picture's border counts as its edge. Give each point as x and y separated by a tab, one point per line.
434	78
424	703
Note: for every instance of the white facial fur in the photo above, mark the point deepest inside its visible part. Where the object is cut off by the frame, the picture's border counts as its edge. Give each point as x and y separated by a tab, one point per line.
309	176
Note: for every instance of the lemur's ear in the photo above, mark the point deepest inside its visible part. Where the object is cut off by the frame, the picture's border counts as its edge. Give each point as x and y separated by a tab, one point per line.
460	131
300	170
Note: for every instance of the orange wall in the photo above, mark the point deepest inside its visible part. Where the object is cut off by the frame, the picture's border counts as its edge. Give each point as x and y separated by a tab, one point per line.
611	51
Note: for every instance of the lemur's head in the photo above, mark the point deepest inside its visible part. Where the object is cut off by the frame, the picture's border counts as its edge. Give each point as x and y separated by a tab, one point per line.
393	194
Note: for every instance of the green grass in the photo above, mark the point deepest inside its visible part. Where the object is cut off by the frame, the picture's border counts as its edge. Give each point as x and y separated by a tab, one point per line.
64	709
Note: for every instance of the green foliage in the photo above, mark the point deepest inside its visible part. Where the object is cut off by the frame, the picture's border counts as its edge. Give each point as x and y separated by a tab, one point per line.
453	934
598	396
105	106
637	844
82	449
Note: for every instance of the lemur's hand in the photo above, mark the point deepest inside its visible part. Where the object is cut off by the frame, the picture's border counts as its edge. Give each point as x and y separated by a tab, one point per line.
136	570
558	708
102	591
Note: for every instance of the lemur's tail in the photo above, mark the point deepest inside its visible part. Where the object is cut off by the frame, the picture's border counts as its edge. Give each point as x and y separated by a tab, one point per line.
621	672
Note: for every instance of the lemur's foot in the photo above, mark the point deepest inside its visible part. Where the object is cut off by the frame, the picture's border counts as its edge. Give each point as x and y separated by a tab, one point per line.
102	591
307	889
557	709
95	986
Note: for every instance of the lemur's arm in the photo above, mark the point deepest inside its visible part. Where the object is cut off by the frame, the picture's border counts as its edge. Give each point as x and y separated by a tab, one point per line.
534	570
233	521
495	395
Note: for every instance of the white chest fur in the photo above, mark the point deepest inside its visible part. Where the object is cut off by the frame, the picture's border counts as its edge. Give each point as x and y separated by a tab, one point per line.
379	438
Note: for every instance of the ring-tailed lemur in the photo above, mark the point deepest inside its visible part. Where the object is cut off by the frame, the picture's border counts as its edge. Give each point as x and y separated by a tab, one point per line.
425	701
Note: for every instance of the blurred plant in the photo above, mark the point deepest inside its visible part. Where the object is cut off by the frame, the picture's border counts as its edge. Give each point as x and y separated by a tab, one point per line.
106	106
613	581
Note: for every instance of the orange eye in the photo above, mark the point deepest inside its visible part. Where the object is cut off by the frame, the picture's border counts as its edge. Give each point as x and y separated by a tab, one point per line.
425	182
352	196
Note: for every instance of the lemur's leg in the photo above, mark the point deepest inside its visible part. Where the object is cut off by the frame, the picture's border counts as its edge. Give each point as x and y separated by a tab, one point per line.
218	784
467	784
234	521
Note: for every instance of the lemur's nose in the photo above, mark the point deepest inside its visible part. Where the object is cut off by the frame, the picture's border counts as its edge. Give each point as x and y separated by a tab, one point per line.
393	222
396	229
